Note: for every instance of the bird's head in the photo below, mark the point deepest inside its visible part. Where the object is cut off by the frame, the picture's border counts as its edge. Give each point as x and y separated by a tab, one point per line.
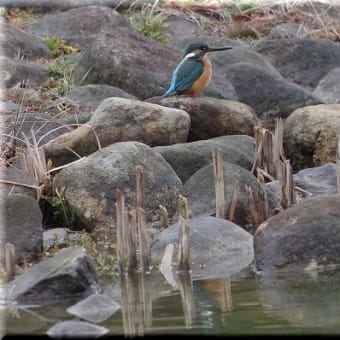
200	49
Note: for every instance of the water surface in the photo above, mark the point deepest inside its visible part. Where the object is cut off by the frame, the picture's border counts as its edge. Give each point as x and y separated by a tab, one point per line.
248	304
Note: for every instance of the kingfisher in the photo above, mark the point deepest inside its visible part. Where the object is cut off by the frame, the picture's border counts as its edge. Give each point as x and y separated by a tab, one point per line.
192	75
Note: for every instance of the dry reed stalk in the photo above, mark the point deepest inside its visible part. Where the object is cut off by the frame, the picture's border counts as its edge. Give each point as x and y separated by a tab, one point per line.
230	215
265	211
255	216
139	186
278	145
217	155
286	185
144	241
120	230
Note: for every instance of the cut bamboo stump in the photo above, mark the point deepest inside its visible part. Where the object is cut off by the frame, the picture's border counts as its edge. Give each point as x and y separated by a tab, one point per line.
217	155
230	215
271	163
133	241
10	261
164	217
120	230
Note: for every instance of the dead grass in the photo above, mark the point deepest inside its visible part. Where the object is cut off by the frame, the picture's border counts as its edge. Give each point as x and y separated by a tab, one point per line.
238	18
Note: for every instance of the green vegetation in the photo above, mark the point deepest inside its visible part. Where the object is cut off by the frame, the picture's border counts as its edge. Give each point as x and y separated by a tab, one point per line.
244	5
149	22
245	34
59	46
101	247
57	211
19	17
61	70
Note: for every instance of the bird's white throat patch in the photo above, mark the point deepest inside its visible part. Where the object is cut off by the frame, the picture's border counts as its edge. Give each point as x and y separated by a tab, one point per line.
190	55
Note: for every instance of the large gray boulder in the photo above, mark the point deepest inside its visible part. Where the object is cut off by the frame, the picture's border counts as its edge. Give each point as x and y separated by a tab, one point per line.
187	158
304	236
301	61
267	92
79	26
42	125
199	189
18	43
90	96
58	5
309	135
119	119
91	183
69	273
316	181
14	72
328	88
212	117
219	247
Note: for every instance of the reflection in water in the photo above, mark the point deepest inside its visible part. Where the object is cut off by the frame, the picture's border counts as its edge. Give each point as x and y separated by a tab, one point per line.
305	300
136	301
296	304
222	291
185	287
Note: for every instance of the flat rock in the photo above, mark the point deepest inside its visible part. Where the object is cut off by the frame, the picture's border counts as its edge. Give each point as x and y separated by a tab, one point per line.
76	329
95	308
69	273
328	89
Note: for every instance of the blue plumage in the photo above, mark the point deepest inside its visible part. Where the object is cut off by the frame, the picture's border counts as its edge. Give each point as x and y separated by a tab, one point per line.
194	71
185	74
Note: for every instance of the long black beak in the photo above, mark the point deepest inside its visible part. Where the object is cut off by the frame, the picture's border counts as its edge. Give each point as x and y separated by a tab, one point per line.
218	49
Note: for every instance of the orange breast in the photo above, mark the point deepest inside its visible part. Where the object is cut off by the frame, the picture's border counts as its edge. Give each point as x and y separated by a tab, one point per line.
203	81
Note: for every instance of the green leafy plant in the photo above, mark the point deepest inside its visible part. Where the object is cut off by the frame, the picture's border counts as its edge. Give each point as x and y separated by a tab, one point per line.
59	46
56	210
245	34
101	247
148	23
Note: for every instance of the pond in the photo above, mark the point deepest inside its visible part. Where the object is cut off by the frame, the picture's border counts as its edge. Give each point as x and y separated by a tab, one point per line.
244	304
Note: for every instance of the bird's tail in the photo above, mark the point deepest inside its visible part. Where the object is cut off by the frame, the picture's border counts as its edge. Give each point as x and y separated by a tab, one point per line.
167	93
